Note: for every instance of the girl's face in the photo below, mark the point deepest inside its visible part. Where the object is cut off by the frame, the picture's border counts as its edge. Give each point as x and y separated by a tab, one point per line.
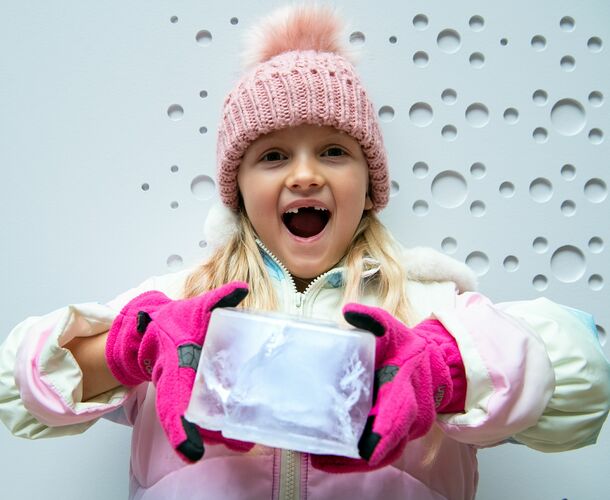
304	190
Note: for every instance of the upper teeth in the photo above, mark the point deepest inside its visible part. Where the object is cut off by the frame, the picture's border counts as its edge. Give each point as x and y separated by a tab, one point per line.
296	210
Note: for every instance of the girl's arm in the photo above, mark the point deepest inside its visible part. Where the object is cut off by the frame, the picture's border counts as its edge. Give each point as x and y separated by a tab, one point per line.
53	376
536	374
89	353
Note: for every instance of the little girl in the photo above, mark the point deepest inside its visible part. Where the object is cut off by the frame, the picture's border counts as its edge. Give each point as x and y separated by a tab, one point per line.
302	172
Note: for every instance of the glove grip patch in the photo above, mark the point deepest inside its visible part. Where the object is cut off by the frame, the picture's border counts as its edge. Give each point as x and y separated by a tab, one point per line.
188	356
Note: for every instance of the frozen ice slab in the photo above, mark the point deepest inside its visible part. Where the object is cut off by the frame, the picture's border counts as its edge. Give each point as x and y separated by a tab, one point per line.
284	381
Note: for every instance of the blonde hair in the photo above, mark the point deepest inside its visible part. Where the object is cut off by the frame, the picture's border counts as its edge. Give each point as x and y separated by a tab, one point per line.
240	259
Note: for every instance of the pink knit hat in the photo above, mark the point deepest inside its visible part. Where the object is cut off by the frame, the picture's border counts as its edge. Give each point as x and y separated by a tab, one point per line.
298	73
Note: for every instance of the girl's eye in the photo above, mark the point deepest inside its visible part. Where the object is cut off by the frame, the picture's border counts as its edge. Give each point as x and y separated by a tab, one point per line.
272	156
334	151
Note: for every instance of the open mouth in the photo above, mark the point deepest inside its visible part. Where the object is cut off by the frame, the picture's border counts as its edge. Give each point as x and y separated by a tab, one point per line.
306	222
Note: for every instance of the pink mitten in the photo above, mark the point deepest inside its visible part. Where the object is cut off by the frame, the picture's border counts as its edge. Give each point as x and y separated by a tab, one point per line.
418	373
158	339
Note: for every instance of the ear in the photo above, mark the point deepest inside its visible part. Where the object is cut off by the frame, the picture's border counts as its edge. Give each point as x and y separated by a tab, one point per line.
368	203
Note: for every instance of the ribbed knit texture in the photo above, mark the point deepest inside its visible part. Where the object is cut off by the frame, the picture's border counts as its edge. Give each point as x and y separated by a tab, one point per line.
294	88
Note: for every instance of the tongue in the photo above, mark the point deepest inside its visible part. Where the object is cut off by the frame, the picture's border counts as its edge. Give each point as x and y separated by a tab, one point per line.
306	223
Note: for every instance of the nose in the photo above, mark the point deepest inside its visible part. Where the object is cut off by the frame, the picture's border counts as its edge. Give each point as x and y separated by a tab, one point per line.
305	174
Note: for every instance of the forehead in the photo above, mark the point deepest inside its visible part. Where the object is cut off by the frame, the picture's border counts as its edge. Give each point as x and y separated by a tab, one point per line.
305	131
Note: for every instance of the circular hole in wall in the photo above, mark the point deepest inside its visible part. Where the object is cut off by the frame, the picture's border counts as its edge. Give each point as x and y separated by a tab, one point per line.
386	113
511	263
477	23
357	38
540	244
596	136
478	262
420	22
145	186
541	190
449	189
595	44
478	208
596	190
449	96
173	19
511	116
478	170
538	42
567	63
596	98
449	41
540	282
568	116
421	114
174	262
203	244
503	42
477	60
394	188
420	59
420	207
203	37
596	244
420	169
507	189
175	112
568	264
568	172
540	135
566	23
393	39
174	205
568	208
540	97
477	115
449	245
203	187
596	282
174	168
449	132
234	21
203	94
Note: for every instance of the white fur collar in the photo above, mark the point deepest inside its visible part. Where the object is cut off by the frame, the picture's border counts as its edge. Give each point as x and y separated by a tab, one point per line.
427	264
421	263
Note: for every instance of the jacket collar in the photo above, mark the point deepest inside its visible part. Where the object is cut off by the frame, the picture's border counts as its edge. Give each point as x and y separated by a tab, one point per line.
333	278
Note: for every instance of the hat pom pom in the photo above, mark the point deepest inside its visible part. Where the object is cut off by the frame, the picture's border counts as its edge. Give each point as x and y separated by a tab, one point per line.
295	27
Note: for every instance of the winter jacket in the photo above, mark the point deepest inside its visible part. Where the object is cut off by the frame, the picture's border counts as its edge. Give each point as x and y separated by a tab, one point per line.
536	376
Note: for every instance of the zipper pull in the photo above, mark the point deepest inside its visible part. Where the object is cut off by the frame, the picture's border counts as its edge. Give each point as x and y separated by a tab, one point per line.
299	299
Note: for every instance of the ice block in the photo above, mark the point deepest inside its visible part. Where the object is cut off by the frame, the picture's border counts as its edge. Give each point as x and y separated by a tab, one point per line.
284	381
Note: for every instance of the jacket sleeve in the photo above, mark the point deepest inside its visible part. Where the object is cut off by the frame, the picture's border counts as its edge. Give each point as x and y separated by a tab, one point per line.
40	381
536	374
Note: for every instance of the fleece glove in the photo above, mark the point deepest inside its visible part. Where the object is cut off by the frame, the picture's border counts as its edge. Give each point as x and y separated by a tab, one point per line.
158	339
418	373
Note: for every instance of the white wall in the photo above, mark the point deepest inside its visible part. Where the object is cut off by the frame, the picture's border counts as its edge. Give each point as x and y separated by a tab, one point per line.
84	98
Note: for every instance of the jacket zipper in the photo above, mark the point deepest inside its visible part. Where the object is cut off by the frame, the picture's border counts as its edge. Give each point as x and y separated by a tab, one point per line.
290	460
